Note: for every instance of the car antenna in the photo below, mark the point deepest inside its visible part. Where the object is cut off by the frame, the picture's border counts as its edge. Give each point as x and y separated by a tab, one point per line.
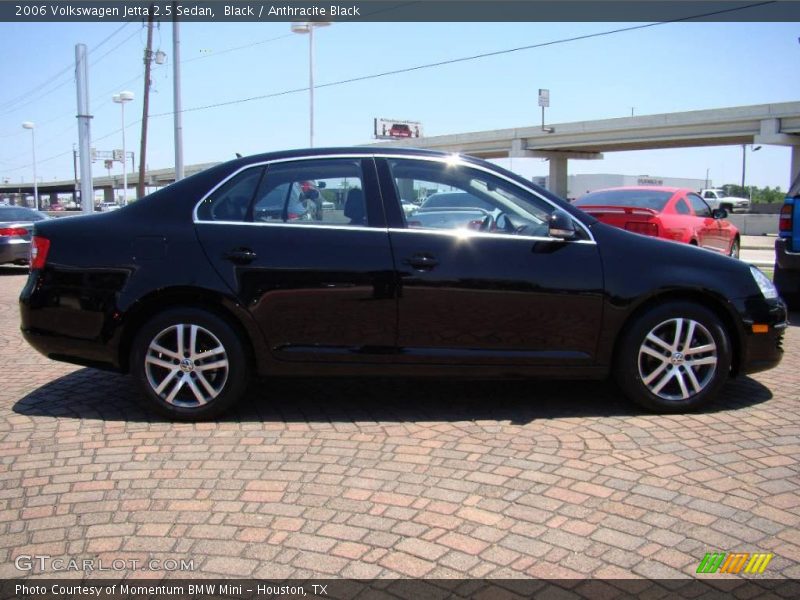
238	155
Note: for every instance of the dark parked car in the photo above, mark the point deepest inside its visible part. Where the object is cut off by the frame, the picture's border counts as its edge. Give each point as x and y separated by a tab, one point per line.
16	226
787	248
193	299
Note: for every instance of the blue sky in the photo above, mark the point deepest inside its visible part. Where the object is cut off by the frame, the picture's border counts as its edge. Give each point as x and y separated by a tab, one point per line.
672	67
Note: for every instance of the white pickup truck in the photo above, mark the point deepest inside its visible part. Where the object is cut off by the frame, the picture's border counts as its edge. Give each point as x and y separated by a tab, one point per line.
716	198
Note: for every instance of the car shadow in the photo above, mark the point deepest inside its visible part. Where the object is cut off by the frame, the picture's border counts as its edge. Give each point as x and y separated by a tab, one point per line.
13	270
92	394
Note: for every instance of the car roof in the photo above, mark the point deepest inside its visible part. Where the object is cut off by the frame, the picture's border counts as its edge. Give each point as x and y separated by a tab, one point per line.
344	150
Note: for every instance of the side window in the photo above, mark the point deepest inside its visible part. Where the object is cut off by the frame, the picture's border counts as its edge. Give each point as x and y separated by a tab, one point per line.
231	201
701	209
709	195
322	192
436	195
682	208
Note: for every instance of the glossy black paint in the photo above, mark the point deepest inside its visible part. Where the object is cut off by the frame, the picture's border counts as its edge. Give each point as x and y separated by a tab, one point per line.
380	299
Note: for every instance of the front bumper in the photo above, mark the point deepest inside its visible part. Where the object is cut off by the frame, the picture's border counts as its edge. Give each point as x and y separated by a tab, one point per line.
761	351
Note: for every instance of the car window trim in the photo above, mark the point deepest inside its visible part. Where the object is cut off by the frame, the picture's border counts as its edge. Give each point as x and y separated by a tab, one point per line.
376	155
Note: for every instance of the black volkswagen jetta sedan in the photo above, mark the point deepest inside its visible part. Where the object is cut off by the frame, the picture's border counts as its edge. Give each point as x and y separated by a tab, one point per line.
195	288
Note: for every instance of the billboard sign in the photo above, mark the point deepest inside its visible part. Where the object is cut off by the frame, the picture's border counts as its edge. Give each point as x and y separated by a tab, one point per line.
389	129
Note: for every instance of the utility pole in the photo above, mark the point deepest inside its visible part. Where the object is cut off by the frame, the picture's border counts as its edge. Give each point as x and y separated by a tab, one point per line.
84	129
148	55
75	173
176	97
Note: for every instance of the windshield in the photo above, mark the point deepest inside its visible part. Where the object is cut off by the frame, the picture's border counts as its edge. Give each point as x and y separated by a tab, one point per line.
652	199
20	214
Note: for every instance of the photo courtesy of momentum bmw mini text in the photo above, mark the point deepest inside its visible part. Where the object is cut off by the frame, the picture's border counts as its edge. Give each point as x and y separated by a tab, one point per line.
388	299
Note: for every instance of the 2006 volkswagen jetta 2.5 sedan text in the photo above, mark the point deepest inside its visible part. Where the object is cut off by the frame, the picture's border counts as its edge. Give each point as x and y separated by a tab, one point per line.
198	287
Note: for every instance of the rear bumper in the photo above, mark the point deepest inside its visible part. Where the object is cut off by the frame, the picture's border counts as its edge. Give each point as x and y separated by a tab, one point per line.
14	251
789	261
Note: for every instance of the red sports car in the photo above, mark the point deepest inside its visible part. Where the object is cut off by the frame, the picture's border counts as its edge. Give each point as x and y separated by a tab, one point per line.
670	213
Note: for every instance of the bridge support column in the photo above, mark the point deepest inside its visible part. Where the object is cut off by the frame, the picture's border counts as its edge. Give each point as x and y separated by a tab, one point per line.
108	194
557	182
795	168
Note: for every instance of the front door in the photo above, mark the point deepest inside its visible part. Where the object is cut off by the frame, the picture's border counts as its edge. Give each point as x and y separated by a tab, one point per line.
480	280
303	245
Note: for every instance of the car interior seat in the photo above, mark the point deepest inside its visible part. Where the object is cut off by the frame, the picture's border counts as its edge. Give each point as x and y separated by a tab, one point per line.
355	208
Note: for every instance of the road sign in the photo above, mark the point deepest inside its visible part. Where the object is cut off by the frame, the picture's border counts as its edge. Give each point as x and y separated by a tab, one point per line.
119	156
544	98
387	129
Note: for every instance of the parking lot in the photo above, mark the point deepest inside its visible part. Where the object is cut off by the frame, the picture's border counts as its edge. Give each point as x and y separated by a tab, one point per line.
386	478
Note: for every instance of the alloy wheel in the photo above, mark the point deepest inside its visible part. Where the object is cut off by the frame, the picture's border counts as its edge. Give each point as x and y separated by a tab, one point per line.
186	365
677	359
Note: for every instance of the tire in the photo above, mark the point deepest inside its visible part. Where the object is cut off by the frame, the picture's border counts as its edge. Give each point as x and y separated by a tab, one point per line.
673	386
734	253
190	392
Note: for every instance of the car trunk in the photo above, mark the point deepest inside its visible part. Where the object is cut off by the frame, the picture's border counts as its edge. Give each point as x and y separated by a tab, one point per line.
635	219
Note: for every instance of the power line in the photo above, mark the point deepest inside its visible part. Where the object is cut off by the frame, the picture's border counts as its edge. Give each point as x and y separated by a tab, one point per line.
465	59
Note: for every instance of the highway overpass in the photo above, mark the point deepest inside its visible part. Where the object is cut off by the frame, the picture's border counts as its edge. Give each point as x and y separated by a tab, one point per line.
766	124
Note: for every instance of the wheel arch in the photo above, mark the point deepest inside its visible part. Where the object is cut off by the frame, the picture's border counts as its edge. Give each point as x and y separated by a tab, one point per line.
708	300
158	301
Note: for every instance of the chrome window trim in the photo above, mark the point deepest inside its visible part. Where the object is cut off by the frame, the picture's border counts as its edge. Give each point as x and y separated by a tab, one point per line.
305	226
467	234
454	159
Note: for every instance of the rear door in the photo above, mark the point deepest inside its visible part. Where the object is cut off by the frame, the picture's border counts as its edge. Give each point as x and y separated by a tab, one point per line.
303	245
708	228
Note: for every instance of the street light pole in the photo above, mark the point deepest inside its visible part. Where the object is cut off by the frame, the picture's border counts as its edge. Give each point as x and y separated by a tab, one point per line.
121	99
30	125
744	164
308	28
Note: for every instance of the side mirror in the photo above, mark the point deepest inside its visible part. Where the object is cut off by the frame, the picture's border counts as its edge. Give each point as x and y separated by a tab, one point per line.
560	225
719	213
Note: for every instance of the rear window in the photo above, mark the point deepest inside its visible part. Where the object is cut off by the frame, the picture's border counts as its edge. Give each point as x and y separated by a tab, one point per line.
653	199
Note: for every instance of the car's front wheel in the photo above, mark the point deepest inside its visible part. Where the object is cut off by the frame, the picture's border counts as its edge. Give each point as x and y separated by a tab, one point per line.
734	253
190	364
674	358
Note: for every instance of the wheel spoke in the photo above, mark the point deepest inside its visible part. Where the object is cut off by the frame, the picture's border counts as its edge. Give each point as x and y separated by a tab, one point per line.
164	364
651	337
700	349
204	382
156	347
681	383
165	382
181	347
678	330
654	353
171	398
219	364
693	380
649	379
664	381
209	353
687	339
192	341
707	360
201	399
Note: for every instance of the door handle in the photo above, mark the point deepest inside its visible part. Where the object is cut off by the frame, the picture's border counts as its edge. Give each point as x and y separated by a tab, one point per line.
421	262
241	255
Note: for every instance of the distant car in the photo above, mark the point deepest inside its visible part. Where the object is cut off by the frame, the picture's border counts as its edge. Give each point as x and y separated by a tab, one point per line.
787	248
408	207
400	130
16	226
671	213
717	198
108	206
57	207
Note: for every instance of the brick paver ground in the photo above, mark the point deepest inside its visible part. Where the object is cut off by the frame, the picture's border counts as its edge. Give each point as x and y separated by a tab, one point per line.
349	478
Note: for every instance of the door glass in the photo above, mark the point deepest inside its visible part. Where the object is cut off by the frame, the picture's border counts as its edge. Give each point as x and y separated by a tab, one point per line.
701	209
437	195
230	202
682	208
321	192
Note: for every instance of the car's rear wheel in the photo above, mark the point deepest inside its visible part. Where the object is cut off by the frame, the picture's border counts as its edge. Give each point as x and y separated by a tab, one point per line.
674	358
734	253
190	364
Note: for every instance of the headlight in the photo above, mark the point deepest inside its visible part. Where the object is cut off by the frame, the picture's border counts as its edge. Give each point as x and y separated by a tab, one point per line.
764	284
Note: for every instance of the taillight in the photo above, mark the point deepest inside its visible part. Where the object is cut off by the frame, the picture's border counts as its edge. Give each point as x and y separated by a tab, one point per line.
39	248
642	227
292	216
785	220
13	232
